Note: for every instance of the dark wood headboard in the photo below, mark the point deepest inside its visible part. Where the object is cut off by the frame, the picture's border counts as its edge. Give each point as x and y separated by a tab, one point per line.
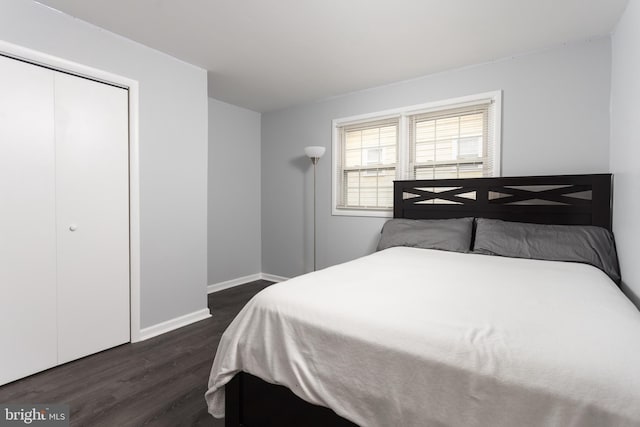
557	199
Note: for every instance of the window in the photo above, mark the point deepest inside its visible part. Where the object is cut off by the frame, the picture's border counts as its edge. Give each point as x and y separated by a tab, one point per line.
368	160
451	139
450	143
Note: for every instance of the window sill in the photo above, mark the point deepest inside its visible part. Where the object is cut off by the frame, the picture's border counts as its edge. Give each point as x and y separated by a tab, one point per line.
376	213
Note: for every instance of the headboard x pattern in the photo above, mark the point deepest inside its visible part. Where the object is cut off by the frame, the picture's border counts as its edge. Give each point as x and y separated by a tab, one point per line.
557	199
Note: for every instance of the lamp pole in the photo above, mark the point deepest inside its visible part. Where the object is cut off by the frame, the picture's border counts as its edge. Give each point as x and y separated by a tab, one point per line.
314	160
314	153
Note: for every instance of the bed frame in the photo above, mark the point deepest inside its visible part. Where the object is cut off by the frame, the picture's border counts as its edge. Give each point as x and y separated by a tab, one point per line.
559	199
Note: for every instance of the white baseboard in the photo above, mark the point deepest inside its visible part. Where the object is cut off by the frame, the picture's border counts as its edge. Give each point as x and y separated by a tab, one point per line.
273	277
215	287
171	324
196	316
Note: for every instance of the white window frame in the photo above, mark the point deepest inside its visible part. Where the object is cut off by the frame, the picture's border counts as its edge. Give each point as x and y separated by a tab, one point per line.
403	114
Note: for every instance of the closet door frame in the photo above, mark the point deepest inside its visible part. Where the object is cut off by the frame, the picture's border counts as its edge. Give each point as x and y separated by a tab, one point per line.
58	64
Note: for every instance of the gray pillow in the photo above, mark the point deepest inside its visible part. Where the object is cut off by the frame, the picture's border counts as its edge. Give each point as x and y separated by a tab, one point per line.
444	234
576	243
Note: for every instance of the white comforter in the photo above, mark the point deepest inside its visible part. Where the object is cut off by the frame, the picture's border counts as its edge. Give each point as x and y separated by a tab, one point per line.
415	337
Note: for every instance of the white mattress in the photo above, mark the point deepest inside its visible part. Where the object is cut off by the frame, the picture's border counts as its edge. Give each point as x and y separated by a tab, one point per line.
416	337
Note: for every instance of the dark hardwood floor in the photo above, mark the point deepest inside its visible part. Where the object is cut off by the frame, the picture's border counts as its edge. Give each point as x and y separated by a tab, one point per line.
158	382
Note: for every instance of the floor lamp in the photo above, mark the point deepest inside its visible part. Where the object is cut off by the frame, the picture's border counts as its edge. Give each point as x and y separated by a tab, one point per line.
314	153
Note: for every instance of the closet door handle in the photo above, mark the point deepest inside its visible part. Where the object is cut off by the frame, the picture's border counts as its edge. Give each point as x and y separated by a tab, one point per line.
73	227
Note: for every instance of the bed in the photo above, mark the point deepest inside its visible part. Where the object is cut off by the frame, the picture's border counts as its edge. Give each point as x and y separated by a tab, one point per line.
410	336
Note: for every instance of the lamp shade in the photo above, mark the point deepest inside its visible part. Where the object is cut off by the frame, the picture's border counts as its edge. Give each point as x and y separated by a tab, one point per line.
314	151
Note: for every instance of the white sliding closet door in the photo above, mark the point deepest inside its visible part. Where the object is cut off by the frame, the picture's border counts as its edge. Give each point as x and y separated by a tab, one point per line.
92	209
27	221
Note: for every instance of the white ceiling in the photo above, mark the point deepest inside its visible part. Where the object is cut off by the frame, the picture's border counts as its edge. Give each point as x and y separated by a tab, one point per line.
271	54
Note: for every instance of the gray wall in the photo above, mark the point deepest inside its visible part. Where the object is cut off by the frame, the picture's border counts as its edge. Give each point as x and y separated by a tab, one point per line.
234	192
625	146
173	149
555	120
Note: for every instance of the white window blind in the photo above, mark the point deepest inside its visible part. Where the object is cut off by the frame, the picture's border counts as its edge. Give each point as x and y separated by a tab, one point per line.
457	138
452	143
367	164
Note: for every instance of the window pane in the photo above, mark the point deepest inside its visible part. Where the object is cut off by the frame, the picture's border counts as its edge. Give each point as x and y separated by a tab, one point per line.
447	128
373	155
372	188
450	143
353	140
388	136
389	155
446	150
424	173
426	131
470	147
352	158
425	152
471	125
385	187
368	188
370	138
352	198
369	159
470	171
444	172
